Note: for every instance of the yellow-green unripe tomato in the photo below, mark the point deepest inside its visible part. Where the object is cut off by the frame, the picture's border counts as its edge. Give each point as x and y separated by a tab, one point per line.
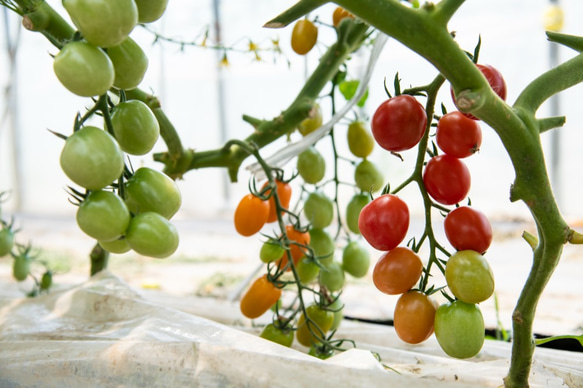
337	307
313	122
129	63
271	251
150	190
84	69
21	267
318	209
322	245
150	234
469	276
355	259
332	276
116	246
103	215
307	270
6	240
135	127
368	177
459	329
311	165
360	140
150	10
355	205
104	23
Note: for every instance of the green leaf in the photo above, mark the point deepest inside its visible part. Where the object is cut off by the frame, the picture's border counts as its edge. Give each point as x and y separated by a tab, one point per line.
348	90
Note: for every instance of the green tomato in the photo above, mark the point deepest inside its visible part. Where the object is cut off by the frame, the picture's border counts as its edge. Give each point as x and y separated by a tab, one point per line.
46	280
355	259
318	352
103	215
116	246
459	329
129	63
84	69
149	190
150	234
307	270
319	209
311	165
271	251
104	23
360	140
337	307
150	10
6	241
21	267
135	127
275	334
92	158
308	331
357	202
368	177
322	244
469	276
313	122
332	276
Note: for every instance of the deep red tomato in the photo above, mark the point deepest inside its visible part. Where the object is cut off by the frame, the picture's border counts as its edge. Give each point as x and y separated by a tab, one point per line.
399	123
468	228
384	222
446	179
397	271
458	135
250	215
414	317
261	295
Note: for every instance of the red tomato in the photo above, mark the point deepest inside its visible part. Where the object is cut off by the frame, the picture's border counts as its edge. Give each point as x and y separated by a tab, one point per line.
414	317
446	179
399	123
250	215
397	271
458	135
468	228
384	222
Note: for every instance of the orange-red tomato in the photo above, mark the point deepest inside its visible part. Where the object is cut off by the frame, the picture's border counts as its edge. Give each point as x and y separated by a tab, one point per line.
259	298
339	14
250	215
304	36
284	192
397	271
296	251
414	317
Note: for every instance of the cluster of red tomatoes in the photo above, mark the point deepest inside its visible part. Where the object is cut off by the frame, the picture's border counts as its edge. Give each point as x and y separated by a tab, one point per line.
102	56
398	125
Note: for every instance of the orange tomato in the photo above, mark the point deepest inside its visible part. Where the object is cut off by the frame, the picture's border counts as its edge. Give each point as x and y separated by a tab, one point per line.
414	317
259	298
397	271
297	252
250	215
284	192
339	14
304	36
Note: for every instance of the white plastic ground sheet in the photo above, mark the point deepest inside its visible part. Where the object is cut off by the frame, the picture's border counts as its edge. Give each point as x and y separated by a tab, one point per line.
103	334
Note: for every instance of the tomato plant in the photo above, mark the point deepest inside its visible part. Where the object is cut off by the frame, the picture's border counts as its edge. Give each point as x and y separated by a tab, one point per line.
92	158
311	330
129	63
103	215
414	317
149	190
304	36
135	127
250	215
399	123
397	271
261	295
469	276
446	179
458	135
151	234
468	228
384	222
459	329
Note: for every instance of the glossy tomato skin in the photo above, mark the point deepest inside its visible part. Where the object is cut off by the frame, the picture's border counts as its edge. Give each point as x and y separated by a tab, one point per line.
397	271
129	62
261	295
135	127
250	215
150	10
104	23
150	234
458	135
399	123
414	317
360	140
275	334
459	329
116	246
92	158
355	259
469	276
304	36
284	192
321	320
468	228
84	69
103	215
384	222
446	179
149	190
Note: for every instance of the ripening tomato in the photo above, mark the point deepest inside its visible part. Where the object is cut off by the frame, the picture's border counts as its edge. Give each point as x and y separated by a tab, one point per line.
368	177
250	215
311	330
104	23
353	209
151	234
129	63
304	36
84	69
399	123
446	179
339	14
6	240
278	335
355	259
135	127
312	122
150	10
116	246
322	245
295	237
284	192
318	209
469	276
384	222
458	135
459	329
92	158
311	165
468	228
397	271
103	215
414	317
332	276
261	295
360	140
149	190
